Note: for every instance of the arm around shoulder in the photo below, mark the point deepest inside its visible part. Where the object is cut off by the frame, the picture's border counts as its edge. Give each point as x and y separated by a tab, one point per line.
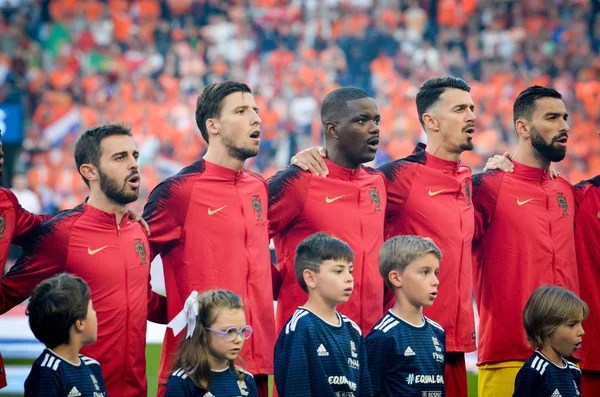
44	255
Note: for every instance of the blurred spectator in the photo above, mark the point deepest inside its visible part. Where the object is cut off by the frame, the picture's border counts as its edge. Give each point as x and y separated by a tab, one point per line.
74	64
28	199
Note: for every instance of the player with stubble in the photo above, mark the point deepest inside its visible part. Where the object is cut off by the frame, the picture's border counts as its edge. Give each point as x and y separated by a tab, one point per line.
209	225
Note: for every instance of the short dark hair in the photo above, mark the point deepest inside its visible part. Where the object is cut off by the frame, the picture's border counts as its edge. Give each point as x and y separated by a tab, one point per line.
524	105
400	251
210	102
316	249
547	308
55	305
87	147
337	100
431	90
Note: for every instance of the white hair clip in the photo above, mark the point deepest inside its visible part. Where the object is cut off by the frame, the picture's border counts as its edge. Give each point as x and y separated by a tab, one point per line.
187	316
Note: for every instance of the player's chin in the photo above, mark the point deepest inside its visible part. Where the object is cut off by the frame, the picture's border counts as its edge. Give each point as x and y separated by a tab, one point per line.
368	154
343	299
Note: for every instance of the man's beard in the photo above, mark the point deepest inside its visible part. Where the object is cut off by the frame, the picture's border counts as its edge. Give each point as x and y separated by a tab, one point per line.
119	195
239	153
548	151
467	145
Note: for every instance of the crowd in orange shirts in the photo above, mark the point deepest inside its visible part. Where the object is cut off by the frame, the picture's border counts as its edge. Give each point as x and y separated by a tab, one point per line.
144	62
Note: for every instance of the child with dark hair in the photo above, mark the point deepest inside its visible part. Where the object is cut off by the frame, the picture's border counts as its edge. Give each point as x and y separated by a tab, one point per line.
62	317
320	352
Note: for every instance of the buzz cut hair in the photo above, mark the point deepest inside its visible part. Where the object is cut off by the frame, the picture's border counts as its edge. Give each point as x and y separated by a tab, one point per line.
337	101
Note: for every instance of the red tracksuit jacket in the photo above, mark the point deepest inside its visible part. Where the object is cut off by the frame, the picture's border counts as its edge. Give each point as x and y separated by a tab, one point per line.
114	260
431	197
209	225
15	222
348	204
587	243
524	226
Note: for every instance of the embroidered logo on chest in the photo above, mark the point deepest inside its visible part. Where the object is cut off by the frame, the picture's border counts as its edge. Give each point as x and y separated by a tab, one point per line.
140	249
374	196
2	224
562	202
257	205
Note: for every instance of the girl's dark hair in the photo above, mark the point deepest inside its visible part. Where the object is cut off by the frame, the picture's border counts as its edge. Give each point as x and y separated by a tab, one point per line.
193	352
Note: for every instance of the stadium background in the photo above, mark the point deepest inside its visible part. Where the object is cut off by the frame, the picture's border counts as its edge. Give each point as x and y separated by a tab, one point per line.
66	65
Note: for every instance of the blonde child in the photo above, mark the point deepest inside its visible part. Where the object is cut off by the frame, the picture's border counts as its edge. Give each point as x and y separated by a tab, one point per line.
552	319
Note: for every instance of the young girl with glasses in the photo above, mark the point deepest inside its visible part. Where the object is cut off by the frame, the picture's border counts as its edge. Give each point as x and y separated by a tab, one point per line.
216	331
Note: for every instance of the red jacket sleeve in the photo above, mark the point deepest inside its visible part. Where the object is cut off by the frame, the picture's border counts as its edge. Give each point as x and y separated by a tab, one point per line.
486	187
287	196
157	307
2	374
25	221
399	177
166	210
44	255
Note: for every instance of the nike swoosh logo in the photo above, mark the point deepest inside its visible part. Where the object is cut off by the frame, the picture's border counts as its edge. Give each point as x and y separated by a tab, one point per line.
329	201
523	202
431	194
94	252
211	212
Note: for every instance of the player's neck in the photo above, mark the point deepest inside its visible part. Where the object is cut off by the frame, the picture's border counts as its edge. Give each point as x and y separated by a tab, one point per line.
217	364
324	310
218	155
68	352
338	157
527	155
438	150
99	200
406	311
552	355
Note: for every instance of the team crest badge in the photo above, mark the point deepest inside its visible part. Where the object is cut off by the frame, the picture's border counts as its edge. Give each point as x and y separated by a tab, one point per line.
562	202
2	224
468	192
256	204
141	250
374	195
243	388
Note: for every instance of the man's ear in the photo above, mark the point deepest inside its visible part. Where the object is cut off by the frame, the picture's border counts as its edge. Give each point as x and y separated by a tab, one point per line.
310	278
395	278
89	172
431	122
523	128
331	130
213	126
